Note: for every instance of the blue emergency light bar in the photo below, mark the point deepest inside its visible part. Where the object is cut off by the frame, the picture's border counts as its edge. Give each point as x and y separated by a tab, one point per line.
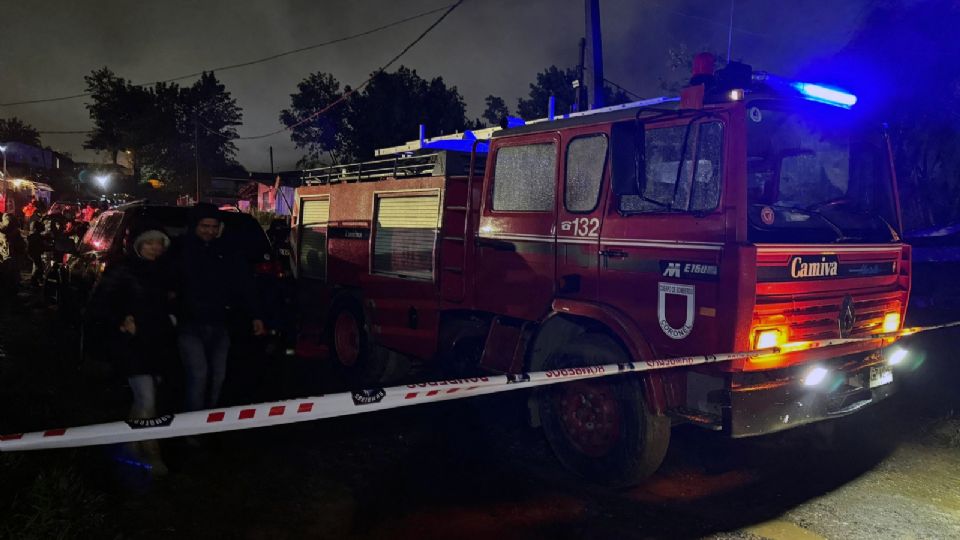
825	94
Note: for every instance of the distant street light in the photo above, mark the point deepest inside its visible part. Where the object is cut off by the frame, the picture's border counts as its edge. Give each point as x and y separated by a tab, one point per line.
102	180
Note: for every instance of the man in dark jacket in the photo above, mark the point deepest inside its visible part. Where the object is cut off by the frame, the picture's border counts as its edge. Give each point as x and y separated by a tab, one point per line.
211	283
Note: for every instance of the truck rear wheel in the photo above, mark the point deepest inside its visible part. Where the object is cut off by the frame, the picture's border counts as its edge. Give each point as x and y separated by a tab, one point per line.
350	347
601	428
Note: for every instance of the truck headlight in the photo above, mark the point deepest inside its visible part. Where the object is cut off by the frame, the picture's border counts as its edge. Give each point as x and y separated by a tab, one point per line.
896	356
815	376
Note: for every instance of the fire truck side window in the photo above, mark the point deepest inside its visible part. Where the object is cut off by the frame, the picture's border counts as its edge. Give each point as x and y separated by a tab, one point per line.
313	238
524	178
699	171
705	192
405	234
586	157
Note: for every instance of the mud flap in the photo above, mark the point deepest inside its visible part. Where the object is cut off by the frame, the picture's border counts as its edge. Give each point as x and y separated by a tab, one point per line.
506	345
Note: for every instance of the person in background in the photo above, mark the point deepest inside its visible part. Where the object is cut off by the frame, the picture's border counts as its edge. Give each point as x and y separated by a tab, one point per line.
211	283
88	212
13	254
36	246
132	305
7	290
29	210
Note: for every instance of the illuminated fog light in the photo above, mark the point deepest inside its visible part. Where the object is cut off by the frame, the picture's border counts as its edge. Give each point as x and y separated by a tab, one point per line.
736	94
891	322
896	356
815	376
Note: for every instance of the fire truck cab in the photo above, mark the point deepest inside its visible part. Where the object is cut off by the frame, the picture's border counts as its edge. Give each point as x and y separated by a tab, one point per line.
750	212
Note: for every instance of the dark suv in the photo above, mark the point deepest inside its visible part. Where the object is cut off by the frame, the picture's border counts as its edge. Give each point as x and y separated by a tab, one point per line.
105	241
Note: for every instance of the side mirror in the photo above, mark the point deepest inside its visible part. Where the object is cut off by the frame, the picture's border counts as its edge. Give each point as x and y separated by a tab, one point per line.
629	158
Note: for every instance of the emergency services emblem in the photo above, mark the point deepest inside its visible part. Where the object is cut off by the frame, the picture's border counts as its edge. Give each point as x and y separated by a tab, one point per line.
141	423
689	293
367	397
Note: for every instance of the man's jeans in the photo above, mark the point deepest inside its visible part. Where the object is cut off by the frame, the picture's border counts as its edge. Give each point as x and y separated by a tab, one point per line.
203	350
144	388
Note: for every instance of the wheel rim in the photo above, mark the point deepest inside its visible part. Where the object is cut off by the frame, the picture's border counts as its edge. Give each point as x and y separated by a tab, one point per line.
590	416
346	339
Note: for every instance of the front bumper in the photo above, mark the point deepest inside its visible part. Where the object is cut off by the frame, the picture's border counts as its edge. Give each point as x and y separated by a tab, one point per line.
770	401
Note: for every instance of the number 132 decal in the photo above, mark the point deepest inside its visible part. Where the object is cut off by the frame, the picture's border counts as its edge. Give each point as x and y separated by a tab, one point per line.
588	227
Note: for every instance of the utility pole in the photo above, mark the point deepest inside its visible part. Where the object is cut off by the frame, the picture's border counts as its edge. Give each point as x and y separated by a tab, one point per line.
730	31
580	94
196	152
596	49
271	160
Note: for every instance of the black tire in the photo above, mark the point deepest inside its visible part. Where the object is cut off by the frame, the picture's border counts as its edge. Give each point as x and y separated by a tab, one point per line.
354	359
630	442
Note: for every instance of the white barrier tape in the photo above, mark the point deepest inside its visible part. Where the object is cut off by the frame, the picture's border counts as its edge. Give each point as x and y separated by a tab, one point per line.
350	403
328	406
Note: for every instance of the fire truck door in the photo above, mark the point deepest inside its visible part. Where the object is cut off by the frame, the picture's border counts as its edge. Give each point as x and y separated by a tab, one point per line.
660	250
580	215
516	241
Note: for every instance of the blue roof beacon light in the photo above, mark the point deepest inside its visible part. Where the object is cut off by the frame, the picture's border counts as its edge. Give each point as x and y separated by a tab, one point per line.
825	94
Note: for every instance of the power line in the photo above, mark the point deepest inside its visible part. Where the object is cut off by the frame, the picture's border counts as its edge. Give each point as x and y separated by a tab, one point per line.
449	9
355	89
708	20
67	132
625	90
251	62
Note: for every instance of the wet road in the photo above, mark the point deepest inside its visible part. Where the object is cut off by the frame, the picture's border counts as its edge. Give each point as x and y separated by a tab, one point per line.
470	469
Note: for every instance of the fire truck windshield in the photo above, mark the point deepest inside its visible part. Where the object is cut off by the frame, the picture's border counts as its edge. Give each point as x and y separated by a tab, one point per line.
813	176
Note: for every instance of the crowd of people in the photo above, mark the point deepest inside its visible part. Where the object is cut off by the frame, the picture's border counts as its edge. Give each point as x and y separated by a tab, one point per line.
28	236
164	300
167	298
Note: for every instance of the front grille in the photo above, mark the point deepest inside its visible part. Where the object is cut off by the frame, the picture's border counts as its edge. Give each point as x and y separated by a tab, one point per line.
818	318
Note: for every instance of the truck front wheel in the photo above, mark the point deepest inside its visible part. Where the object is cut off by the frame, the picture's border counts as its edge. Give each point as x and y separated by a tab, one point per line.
601	428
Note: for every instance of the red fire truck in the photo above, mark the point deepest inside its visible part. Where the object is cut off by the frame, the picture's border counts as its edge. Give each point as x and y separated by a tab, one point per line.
749	212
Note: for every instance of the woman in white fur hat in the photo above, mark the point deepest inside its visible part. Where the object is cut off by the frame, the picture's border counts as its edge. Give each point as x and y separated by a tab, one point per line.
132	303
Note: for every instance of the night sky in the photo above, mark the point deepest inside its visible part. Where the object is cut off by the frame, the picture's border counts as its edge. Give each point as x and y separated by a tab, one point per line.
484	47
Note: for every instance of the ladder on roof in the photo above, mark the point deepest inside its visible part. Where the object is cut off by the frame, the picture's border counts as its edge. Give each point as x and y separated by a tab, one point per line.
439	163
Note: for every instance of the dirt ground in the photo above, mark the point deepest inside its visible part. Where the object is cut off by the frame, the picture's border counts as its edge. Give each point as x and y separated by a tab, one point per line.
466	469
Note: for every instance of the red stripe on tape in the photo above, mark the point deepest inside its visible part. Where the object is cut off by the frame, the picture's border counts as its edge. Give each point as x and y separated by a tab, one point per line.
432	393
11	437
215	417
452	390
305	407
411	395
278	410
471	388
247	413
54	432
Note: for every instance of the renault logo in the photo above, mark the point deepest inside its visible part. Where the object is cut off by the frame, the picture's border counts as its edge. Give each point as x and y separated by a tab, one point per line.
847	316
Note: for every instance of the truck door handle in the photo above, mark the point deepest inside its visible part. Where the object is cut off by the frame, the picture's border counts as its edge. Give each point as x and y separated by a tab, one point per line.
614	253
